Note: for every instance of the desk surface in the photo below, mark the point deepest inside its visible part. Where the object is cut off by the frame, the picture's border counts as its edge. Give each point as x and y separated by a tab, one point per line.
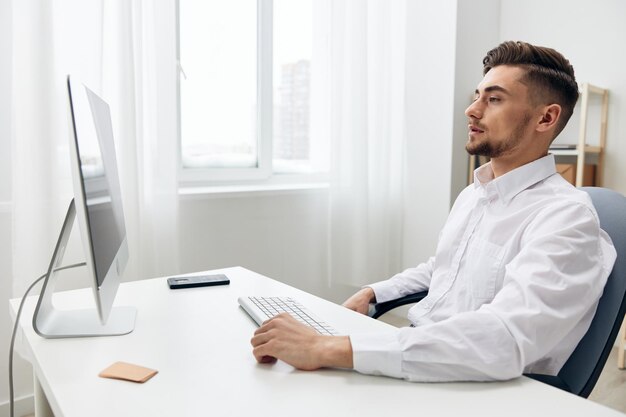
198	340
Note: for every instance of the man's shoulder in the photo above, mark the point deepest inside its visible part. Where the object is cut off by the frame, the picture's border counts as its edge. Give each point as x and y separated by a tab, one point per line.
555	198
556	191
466	192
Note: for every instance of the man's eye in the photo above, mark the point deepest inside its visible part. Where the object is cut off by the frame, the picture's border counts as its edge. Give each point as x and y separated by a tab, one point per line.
494	99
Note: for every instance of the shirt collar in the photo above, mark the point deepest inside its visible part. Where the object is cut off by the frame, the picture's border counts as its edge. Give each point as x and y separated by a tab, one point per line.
512	183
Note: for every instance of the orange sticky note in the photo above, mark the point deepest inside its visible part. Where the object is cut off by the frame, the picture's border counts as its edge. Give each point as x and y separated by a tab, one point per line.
128	372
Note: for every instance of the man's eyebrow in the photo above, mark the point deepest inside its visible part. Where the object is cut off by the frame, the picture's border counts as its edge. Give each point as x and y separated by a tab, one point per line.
494	88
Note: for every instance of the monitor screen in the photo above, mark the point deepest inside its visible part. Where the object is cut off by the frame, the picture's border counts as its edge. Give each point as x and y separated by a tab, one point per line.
100	181
97	193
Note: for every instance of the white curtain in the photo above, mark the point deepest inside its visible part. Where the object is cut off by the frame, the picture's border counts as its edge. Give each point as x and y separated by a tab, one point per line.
139	67
368	43
125	52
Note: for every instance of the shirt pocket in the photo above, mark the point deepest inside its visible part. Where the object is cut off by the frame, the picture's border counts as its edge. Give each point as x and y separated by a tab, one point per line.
483	267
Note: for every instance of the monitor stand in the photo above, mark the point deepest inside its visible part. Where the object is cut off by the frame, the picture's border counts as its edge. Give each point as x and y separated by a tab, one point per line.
51	323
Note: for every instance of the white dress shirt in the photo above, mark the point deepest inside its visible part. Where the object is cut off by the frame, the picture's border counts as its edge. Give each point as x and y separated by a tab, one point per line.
519	267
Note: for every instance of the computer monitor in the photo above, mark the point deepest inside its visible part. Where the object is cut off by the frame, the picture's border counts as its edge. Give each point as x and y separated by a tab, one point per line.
97	205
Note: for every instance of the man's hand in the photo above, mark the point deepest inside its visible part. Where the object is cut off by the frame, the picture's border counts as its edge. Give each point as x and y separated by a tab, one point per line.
284	338
360	302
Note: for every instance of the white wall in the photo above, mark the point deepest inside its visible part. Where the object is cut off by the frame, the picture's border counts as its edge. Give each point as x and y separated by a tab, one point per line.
591	35
279	234
473	40
5	95
431	35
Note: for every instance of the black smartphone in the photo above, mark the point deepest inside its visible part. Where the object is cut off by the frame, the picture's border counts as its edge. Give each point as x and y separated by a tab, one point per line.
190	281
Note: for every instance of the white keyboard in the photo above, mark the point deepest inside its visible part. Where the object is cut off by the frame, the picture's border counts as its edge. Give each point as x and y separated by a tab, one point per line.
264	308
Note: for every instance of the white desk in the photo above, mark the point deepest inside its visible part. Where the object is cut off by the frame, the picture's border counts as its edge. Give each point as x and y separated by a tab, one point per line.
198	339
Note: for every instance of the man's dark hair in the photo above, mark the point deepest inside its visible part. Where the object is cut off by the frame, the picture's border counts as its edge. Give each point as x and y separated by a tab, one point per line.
549	75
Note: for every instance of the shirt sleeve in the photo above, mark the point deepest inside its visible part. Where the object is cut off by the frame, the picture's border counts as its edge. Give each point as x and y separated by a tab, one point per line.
407	282
549	287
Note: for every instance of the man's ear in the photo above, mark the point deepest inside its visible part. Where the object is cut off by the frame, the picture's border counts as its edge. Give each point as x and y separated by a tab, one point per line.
549	117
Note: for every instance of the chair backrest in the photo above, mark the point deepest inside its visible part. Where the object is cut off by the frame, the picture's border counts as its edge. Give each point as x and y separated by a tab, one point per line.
583	368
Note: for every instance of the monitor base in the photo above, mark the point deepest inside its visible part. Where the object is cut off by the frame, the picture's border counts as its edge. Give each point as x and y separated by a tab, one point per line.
86	323
52	323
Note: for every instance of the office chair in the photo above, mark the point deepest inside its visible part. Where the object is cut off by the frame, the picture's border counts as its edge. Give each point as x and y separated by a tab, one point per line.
582	370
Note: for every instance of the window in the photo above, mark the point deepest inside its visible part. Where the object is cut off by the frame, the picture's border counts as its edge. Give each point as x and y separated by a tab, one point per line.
246	100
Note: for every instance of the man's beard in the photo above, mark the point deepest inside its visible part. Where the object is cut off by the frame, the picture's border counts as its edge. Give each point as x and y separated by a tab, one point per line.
484	149
494	150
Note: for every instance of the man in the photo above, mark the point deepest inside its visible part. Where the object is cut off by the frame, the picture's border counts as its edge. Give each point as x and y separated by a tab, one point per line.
520	263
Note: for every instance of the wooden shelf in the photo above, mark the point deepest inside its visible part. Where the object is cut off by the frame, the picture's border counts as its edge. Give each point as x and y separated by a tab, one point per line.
582	149
574	152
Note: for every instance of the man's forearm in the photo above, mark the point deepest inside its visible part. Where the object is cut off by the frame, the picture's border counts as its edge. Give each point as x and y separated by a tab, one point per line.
360	301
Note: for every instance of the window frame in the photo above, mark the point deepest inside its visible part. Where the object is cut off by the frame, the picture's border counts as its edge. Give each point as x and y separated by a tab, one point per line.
264	129
262	175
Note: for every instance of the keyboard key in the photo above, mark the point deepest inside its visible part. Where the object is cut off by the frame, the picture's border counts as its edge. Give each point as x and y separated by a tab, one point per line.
272	306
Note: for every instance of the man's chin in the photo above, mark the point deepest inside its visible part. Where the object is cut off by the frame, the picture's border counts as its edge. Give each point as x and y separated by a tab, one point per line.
471	149
480	149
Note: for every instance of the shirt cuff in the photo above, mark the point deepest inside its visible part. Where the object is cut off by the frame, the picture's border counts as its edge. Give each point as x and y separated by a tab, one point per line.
377	354
384	291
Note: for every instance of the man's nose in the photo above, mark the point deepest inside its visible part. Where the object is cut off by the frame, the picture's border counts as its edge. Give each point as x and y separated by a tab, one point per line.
474	111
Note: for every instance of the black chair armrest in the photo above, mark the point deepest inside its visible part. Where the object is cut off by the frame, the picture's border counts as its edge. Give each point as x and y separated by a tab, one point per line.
555	381
381	308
